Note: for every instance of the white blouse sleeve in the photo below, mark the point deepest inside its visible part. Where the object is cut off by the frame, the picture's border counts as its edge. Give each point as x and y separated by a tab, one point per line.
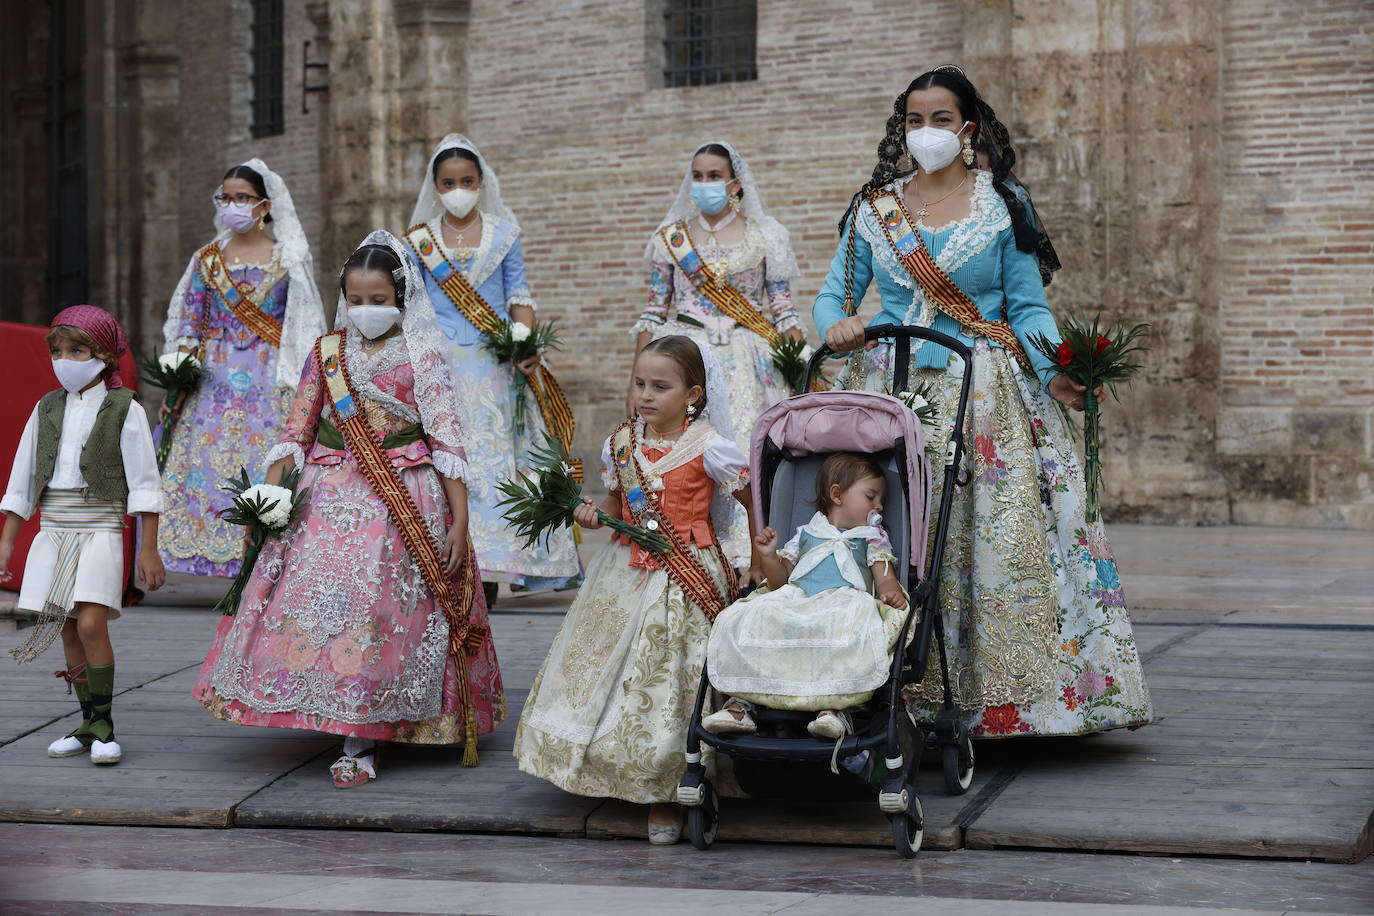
19	496
609	479
140	462
726	464
791	551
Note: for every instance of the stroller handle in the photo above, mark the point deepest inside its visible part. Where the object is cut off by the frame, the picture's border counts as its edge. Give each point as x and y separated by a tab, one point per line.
904	332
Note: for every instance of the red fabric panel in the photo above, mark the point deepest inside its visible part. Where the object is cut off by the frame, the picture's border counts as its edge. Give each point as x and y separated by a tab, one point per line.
28	376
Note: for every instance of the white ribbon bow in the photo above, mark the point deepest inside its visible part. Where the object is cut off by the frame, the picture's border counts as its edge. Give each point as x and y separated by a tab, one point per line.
835	543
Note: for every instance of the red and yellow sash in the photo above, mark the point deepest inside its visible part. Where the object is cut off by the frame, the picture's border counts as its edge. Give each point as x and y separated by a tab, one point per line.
364	444
939	289
548	394
243	300
680	562
732	303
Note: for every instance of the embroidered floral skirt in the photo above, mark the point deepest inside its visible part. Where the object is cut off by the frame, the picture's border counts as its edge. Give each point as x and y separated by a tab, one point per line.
495	449
754	385
337	631
607	715
1035	620
226	424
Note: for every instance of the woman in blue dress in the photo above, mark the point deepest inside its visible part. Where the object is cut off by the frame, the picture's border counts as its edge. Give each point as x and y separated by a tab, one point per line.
1039	639
461	221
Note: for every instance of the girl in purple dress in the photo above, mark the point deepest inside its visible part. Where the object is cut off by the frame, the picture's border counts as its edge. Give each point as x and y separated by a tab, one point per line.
248	310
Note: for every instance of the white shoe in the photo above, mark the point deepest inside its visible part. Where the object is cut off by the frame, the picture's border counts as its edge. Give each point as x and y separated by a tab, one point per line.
830	724
724	722
69	746
665	834
106	752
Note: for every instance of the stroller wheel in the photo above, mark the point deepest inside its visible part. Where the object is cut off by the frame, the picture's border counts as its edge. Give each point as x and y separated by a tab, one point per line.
908	829
702	819
957	777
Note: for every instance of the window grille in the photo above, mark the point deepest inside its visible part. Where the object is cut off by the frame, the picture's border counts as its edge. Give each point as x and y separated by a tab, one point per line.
706	42
269	114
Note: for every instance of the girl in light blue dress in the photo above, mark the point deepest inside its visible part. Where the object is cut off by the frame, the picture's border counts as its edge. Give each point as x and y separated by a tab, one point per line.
460	212
1035	620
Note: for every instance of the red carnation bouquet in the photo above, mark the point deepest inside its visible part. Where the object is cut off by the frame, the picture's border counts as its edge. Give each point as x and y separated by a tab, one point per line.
1090	358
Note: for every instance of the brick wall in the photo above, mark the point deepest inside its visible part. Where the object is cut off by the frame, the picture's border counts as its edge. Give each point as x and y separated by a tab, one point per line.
1297	343
217	114
590	159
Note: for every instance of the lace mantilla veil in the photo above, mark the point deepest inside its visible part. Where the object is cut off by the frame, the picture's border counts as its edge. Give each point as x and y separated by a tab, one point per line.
427	203
304	318
435	396
782	263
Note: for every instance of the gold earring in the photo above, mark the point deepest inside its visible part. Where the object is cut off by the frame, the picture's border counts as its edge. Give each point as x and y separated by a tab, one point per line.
968	152
734	200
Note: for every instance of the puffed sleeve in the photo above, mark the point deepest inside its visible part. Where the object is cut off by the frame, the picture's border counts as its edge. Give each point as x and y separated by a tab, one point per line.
302	417
513	278
829	306
19	496
792	549
194	302
780	307
140	463
1028	311
608	476
726	464
880	548
660	291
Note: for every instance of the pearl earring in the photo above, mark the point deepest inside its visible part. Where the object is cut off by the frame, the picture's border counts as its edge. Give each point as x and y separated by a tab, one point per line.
968	152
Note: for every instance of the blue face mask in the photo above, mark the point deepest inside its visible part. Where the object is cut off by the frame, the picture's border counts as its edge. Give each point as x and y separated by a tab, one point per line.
709	196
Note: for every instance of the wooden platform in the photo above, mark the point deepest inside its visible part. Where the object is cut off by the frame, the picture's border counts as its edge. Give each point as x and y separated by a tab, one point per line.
1262	747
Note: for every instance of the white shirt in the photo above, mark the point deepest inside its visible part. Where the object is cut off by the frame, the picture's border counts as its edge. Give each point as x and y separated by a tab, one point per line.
78	418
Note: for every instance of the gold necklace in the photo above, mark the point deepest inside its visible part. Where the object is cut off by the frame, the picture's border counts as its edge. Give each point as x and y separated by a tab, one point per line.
461	251
922	213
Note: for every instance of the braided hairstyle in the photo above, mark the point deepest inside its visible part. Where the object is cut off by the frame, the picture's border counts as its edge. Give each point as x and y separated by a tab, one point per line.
990	137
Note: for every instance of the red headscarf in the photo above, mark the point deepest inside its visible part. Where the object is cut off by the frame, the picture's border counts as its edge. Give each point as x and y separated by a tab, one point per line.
103	328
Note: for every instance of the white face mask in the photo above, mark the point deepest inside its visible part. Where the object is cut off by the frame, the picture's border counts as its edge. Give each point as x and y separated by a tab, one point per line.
372	321
933	148
460	201
77	374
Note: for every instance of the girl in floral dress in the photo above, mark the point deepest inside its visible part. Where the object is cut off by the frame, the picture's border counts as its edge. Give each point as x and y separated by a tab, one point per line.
459	211
340	629
1038	636
720	214
608	712
247	307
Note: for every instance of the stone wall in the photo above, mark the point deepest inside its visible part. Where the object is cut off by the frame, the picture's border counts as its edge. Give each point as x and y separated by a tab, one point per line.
1297	297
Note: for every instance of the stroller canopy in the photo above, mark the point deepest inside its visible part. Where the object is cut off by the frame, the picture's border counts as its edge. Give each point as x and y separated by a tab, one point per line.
849	421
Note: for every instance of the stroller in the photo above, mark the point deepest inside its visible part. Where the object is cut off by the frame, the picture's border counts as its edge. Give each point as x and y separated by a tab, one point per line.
789	443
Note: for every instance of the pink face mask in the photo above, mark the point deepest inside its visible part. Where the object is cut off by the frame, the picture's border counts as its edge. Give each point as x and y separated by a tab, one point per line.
238	217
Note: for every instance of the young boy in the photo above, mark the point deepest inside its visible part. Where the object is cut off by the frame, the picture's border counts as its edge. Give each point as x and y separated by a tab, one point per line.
85	460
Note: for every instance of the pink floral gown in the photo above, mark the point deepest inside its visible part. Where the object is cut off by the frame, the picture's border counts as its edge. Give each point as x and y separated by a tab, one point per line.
337	631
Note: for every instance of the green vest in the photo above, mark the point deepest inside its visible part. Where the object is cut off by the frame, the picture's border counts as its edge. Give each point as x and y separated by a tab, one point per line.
102	460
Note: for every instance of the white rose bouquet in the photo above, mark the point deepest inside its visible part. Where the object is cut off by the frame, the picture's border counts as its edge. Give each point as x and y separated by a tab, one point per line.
266	510
178	374
515	343
922	403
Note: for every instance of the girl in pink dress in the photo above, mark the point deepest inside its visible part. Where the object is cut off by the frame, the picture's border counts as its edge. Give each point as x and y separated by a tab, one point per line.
338	630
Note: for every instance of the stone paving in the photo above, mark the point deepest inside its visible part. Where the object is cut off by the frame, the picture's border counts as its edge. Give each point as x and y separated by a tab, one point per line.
1256	645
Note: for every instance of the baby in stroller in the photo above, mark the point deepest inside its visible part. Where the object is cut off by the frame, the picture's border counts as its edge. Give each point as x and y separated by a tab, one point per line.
823	641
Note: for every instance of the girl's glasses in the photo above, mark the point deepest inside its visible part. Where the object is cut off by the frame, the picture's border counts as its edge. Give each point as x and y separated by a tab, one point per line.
225	200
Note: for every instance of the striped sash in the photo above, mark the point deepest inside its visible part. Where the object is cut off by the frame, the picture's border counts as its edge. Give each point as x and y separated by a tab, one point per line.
244	302
548	394
69	518
940	290
680	562
732	303
364	444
